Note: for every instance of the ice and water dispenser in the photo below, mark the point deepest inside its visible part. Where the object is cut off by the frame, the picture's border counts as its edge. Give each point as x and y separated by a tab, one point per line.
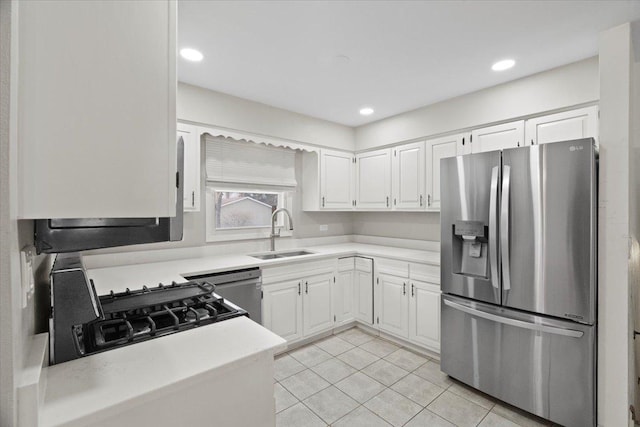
470	249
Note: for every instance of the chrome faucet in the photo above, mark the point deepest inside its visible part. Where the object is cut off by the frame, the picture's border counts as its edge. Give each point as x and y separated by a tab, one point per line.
273	226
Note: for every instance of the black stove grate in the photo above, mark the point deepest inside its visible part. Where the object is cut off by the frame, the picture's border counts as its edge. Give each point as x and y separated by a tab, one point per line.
134	316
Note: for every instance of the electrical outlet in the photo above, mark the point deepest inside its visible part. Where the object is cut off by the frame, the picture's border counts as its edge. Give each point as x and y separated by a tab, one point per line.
28	280
324	227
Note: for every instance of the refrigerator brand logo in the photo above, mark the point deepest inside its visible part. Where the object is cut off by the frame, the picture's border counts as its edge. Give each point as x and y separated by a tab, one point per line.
576	148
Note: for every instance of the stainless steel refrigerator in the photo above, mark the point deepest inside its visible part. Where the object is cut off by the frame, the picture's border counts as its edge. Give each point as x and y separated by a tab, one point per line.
518	276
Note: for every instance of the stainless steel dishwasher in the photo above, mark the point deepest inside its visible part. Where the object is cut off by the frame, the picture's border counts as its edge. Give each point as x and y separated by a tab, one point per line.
241	287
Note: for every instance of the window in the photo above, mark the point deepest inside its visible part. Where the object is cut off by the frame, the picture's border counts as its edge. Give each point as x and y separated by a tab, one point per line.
236	209
235	213
246	183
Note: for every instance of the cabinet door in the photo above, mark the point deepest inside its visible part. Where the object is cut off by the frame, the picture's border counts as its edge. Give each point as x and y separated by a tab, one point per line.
363	290
408	176
440	148
316	304
96	109
507	135
282	309
336	177
394	305
343	291
191	140
373	180
424	314
574	124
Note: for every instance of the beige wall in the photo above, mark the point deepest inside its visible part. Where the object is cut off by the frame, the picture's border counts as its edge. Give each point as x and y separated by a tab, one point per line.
562	87
616	376
199	105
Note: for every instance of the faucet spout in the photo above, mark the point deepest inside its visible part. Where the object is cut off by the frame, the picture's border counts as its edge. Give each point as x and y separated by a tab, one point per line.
273	235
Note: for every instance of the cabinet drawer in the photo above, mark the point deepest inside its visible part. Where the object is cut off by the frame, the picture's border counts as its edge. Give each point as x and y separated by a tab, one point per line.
424	272
392	267
297	270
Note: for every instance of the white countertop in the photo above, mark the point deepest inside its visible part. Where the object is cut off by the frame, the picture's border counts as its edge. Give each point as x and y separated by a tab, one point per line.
86	389
150	274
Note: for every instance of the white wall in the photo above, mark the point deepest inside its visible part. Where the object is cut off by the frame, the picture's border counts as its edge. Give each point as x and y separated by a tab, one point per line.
615	344
205	106
555	89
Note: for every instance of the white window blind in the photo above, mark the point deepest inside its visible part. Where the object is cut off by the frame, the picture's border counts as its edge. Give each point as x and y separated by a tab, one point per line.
233	161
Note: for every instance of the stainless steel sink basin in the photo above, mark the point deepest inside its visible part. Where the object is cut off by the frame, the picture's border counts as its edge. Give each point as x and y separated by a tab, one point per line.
282	254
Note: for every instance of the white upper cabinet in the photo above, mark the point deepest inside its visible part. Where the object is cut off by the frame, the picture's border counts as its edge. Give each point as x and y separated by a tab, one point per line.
373	180
408	176
440	148
506	135
191	138
96	100
336	180
574	124
328	180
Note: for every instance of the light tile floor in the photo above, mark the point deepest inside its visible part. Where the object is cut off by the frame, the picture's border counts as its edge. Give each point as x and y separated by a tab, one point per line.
354	379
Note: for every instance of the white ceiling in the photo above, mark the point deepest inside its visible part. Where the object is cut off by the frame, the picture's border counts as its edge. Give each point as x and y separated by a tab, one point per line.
402	54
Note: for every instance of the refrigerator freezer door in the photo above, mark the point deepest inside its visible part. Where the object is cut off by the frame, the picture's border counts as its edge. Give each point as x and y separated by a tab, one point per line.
548	229
544	366
469	191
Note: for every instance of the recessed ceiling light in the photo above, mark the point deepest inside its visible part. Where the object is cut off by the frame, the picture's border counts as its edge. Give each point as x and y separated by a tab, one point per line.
191	54
366	111
505	64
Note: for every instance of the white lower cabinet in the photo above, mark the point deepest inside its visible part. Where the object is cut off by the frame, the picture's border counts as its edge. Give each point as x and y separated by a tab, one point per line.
282	309
303	300
343	292
424	314
363	288
393	315
297	299
408	303
316	304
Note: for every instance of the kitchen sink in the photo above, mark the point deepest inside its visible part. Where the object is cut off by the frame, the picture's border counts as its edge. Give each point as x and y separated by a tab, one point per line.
282	254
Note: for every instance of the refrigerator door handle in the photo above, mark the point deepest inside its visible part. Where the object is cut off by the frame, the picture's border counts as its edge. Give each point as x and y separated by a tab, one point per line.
515	322
504	227
493	228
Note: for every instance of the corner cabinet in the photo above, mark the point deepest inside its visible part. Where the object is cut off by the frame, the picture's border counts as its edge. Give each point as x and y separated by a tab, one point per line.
437	149
191	137
328	180
96	128
573	124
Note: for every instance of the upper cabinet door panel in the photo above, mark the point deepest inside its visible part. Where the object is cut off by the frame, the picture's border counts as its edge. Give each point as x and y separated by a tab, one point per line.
506	135
373	180
574	124
408	176
96	108
336	180
440	148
